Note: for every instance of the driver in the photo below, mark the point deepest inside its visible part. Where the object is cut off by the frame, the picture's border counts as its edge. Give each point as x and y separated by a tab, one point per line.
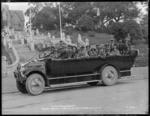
64	52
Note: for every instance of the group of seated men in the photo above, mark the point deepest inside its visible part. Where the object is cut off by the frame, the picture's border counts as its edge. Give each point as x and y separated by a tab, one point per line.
63	51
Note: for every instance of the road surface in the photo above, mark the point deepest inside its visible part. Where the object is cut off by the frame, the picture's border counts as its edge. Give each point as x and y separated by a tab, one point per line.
128	96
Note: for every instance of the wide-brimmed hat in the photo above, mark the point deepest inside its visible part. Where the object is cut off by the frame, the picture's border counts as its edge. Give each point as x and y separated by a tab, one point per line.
93	47
74	45
98	45
107	48
102	46
52	46
106	45
112	38
88	46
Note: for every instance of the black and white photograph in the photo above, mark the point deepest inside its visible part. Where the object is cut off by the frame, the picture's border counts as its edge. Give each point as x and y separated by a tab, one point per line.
74	57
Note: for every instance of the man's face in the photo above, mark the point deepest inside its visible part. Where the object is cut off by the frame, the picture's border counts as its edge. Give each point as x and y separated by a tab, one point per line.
52	48
88	47
56	54
115	47
112	41
100	49
108	50
61	43
82	48
70	48
74	49
126	41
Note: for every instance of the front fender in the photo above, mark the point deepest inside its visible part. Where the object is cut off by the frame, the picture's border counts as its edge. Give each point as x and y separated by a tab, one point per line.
42	73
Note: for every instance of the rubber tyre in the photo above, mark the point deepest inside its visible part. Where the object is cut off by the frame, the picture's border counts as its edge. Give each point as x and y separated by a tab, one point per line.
109	75
93	83
21	87
31	79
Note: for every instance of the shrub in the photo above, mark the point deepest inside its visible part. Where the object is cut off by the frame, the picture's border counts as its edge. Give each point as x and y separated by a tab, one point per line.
85	23
120	30
102	29
145	32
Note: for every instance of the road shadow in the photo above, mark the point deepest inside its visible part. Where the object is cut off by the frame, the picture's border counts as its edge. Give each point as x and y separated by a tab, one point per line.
83	87
70	88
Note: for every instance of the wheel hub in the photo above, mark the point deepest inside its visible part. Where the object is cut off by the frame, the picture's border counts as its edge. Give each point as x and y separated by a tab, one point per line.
110	74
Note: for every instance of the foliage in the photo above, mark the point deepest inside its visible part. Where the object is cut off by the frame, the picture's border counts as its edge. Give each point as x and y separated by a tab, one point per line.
102	29
85	16
121	29
4	23
85	23
116	11
144	26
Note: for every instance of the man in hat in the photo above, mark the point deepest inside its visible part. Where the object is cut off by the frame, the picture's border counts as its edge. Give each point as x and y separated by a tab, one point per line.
101	51
93	51
120	46
126	47
65	52
82	52
70	51
107	51
61	45
88	47
52	52
74	52
78	45
115	51
112	43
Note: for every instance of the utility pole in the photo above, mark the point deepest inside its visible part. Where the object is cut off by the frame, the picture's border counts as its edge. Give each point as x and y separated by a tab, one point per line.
31	39
60	23
30	23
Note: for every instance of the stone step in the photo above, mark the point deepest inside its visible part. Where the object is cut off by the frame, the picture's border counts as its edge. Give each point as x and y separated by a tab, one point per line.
23	51
20	45
26	56
15	42
22	48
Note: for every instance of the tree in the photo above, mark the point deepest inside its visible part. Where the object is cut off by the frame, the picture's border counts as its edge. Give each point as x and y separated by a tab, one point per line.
73	11
117	11
144	26
120	30
134	29
45	17
35	8
85	23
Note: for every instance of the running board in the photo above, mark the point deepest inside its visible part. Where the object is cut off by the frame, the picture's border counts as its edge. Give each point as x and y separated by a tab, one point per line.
59	86
73	76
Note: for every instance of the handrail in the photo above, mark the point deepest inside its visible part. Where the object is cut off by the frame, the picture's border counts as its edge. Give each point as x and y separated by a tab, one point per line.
17	58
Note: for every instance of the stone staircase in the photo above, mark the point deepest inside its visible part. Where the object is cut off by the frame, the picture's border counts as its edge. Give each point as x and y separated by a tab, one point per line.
23	51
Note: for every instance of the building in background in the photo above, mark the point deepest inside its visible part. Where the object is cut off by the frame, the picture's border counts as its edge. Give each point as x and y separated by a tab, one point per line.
12	18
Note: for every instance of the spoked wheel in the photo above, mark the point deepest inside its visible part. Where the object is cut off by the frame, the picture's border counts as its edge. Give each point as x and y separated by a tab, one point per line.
35	84
21	87
109	75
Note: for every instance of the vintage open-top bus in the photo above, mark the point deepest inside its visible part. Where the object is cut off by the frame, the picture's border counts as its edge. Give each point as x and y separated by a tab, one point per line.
42	71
